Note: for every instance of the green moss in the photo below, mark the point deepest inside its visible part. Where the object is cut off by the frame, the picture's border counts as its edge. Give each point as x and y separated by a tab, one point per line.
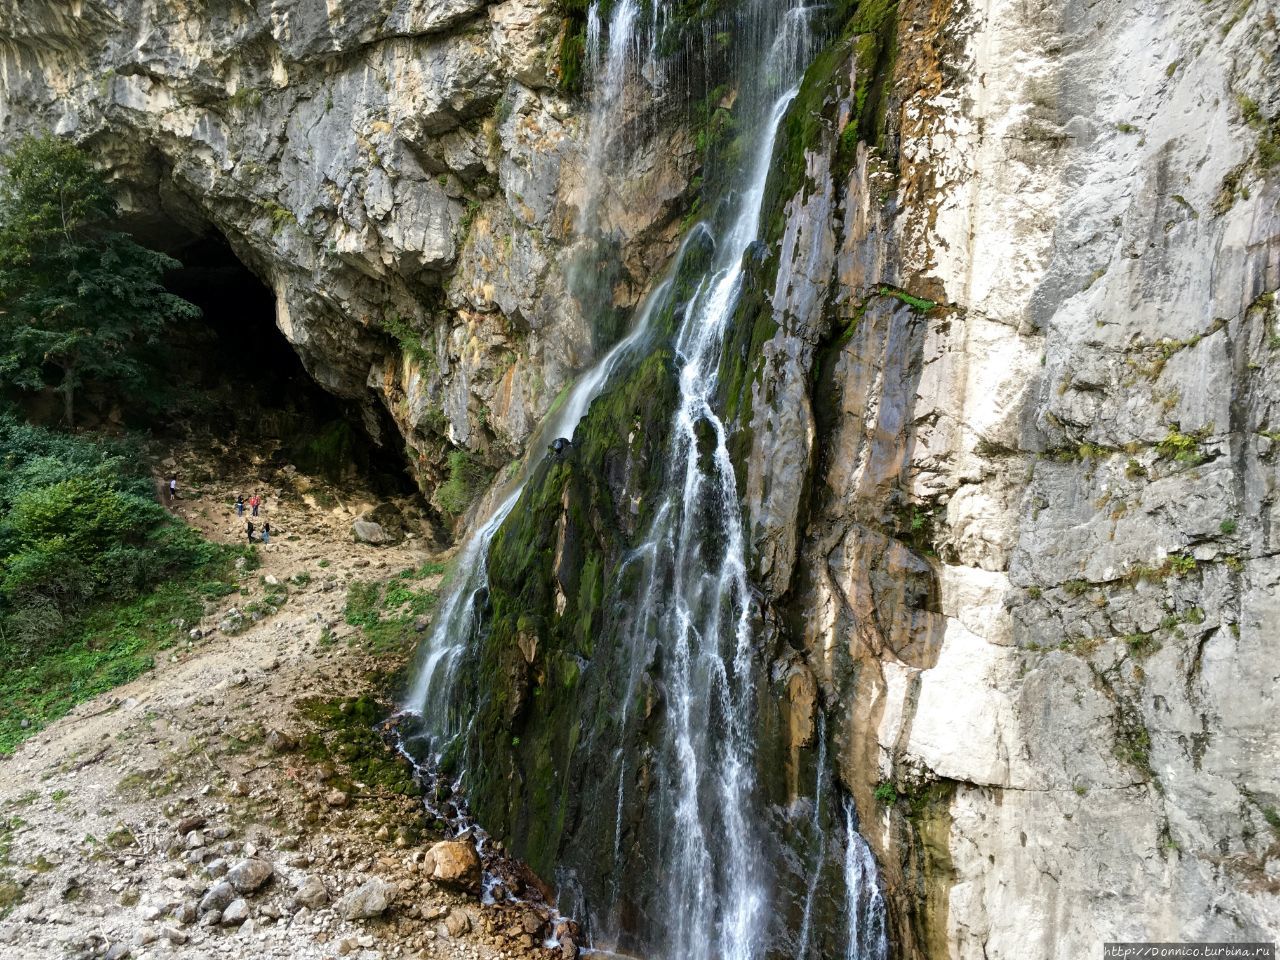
553	576
914	302
348	732
468	477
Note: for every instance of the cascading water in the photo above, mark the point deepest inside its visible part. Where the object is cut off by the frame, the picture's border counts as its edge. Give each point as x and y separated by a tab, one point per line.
864	903
693	612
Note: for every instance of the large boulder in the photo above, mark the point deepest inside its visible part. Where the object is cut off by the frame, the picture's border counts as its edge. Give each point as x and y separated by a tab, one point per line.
312	894
454	864
369	900
237	912
248	875
218	897
374	534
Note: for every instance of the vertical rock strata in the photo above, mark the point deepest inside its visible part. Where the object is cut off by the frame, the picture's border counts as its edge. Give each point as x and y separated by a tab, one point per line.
1006	440
1000	383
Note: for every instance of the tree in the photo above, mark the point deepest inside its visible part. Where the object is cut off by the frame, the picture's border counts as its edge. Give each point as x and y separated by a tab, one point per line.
78	300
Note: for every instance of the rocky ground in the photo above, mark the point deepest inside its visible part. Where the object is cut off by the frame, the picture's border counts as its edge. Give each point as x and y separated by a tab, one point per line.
238	802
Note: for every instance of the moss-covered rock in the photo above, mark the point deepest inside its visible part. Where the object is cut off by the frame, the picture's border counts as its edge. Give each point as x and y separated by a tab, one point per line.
538	693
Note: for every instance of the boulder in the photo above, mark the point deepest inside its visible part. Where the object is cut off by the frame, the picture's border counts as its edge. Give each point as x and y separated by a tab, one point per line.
457	922
218	897
216	868
237	912
312	894
248	875
175	936
369	900
454	864
374	534
280	742
194	822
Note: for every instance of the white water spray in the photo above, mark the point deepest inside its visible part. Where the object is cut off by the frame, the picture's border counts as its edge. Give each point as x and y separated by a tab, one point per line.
695	603
864	903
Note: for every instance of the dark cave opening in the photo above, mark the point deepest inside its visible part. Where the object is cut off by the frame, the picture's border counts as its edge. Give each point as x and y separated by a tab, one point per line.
233	375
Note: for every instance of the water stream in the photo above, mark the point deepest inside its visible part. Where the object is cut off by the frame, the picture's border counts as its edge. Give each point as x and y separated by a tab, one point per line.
694	611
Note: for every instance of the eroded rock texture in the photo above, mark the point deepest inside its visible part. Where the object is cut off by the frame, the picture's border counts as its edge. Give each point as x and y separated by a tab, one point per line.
1001	387
405	176
1011	469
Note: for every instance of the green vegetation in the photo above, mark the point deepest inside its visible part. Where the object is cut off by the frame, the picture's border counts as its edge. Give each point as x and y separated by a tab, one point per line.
916	303
411	341
278	214
385	612
1183	447
95	576
468	478
1268	131
80	301
347	731
886	793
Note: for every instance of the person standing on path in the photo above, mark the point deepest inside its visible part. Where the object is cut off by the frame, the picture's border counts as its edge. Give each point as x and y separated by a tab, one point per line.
266	531
240	505
254	502
248	529
173	487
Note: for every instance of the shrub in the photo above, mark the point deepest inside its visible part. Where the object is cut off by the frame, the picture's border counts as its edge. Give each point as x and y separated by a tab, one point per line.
94	574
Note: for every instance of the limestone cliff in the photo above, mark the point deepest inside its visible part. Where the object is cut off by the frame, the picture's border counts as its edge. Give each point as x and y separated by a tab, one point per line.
1011	468
1000	389
405	176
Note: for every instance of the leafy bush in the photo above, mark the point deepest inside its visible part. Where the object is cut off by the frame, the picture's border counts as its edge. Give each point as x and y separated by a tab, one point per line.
94	574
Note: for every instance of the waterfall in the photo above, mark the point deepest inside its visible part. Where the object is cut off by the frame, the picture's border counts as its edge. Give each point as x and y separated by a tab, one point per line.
695	611
864	903
456	621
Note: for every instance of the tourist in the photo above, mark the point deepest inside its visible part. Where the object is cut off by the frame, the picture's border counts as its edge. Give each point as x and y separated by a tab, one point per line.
254	502
248	529
240	505
173	487
266	532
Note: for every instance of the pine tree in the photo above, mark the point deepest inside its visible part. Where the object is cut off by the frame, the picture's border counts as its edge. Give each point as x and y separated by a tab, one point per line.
78	300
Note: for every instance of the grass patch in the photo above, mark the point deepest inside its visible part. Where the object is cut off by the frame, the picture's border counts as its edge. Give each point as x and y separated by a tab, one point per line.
386	612
346	731
113	645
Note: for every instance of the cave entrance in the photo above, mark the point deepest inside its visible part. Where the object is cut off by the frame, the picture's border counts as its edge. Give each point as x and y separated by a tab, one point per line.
233	377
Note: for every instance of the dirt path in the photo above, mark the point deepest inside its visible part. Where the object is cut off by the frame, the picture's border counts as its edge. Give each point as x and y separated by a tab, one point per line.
98	855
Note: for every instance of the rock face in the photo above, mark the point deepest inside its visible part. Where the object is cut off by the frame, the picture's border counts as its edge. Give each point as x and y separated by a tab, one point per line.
1001	394
1012	498
404	177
